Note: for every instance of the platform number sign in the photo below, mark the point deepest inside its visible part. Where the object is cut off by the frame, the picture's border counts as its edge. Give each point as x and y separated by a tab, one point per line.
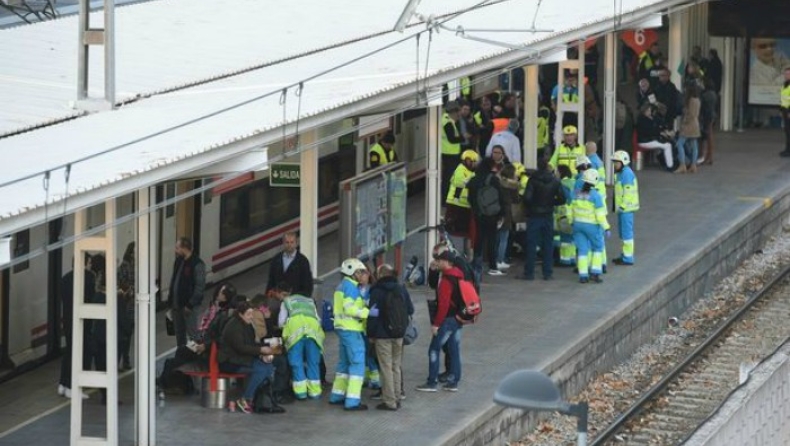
284	175
639	40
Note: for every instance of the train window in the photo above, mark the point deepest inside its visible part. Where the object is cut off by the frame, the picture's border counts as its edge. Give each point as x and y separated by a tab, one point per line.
255	208
170	192
21	248
334	168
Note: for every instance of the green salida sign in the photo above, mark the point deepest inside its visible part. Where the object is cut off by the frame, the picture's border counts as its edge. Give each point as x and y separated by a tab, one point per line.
284	175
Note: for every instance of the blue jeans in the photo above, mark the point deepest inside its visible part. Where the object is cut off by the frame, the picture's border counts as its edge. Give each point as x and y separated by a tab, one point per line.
450	334
257	373
540	232
692	143
503	235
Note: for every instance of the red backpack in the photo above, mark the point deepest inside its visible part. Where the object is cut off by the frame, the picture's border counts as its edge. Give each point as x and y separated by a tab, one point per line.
467	301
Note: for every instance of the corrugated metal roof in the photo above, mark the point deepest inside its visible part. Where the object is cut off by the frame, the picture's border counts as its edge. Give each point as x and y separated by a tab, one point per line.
57	145
167	44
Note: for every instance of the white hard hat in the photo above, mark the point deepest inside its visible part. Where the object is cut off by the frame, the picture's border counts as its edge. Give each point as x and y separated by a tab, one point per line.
582	160
590	176
350	266
622	156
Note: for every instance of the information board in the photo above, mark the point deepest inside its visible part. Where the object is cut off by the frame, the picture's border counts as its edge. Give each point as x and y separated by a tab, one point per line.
371	216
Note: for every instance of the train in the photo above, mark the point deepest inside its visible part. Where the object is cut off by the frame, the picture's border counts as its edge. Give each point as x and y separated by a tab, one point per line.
234	226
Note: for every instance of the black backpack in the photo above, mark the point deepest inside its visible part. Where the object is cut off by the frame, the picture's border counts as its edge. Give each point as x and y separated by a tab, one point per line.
394	313
488	198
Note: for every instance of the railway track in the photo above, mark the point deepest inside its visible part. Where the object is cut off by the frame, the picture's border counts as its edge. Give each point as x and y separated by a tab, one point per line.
672	408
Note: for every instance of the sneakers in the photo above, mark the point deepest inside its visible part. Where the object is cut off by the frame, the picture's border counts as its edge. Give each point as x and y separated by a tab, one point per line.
376	396
450	387
444	376
66	392
502	266
243	405
495	272
402	395
427	388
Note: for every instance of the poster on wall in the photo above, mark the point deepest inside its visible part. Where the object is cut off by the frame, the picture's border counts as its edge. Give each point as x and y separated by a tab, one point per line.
768	57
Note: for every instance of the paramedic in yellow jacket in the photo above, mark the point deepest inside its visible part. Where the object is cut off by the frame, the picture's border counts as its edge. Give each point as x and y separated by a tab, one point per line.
304	342
350	315
458	215
566	152
588	216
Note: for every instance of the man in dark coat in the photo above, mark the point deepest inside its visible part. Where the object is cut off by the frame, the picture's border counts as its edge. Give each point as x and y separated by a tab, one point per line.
542	194
186	290
292	267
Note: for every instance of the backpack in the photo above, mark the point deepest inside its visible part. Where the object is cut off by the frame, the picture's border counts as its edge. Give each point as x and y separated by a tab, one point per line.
488	198
394	313
327	316
465	266
264	400
467	301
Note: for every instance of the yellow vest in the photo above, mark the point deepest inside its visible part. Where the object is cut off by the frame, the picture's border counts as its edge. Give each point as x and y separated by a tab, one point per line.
383	157
583	210
449	148
522	184
350	311
566	156
543	129
466	86
786	97
458	193
626	198
302	321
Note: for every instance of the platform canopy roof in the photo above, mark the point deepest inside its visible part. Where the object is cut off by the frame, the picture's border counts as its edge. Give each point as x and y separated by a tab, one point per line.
169	50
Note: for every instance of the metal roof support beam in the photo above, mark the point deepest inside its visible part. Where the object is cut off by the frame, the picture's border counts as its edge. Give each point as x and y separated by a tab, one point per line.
88	37
728	85
145	317
433	204
84	313
610	99
308	200
531	94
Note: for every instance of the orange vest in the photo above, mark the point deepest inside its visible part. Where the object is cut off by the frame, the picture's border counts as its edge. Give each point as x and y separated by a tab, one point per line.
500	124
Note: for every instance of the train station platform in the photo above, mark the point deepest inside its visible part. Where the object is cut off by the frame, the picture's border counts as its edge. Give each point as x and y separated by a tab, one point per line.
692	231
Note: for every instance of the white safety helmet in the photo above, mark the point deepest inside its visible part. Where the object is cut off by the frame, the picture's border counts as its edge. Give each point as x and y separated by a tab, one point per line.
582	160
590	176
350	266
622	156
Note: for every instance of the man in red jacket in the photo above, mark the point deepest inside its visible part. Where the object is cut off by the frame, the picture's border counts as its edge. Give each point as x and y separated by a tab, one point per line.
445	327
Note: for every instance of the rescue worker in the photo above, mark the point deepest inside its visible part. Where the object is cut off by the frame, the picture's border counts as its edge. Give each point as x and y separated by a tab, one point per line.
785	107
562	222
523	178
383	152
647	59
596	163
350	315
568	150
588	216
626	202
458	216
304	342
451	143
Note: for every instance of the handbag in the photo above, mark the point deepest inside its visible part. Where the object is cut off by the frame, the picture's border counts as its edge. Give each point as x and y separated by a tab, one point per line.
411	333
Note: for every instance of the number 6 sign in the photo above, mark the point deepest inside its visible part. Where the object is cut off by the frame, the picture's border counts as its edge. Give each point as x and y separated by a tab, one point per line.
639	40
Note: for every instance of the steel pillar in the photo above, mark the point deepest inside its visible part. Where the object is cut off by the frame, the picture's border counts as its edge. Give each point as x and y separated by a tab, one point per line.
530	124
82	379
308	202
728	85
433	204
609	103
145	317
88	36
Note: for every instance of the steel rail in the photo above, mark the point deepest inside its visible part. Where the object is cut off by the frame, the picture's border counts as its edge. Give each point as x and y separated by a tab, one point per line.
638	406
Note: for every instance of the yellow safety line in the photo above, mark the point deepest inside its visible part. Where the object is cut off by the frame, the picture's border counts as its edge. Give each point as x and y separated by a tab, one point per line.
767	201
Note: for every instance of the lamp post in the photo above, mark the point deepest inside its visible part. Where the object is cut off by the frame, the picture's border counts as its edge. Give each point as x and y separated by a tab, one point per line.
533	390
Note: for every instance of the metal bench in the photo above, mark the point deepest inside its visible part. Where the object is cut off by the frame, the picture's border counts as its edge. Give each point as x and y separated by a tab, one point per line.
214	384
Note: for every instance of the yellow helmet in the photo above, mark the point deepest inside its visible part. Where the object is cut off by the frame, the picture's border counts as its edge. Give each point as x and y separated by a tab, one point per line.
520	169
622	156
570	130
470	155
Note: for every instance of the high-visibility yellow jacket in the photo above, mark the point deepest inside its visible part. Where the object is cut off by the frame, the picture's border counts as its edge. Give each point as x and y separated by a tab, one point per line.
350	310
458	193
302	321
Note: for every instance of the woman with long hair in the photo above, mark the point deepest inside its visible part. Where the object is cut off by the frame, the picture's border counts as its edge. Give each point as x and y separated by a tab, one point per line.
689	130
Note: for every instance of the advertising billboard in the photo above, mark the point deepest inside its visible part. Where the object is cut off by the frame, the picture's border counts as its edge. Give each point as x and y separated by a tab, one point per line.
768	57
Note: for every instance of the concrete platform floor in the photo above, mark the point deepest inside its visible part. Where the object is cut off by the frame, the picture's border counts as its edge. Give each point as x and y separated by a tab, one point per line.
524	325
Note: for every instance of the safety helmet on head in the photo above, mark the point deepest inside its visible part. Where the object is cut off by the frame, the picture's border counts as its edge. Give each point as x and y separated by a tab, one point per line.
570	130
470	155
590	176
622	156
350	266
583	160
